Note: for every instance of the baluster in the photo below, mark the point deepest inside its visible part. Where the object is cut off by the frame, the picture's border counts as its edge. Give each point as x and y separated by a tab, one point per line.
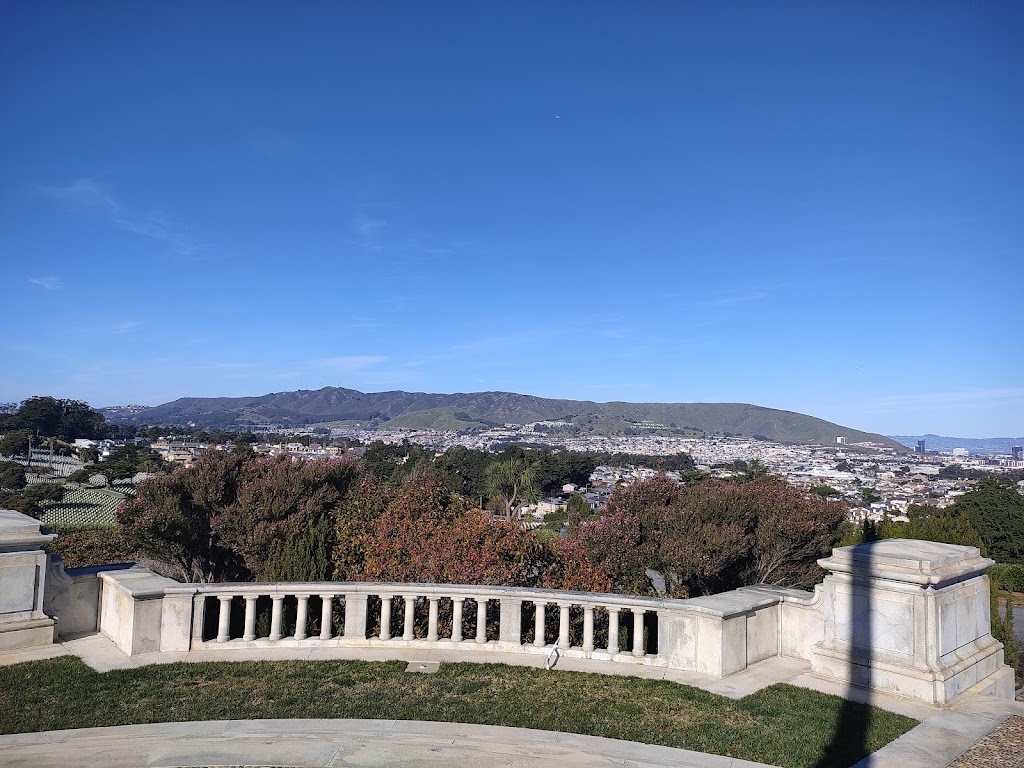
588	628
385	617
457	619
563	624
613	630
300	616
638	631
250	618
410	615
432	620
224	619
481	619
538	625
276	617
326	617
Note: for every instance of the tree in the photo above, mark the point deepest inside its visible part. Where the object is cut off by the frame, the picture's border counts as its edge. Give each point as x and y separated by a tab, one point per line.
279	499
170	518
40	492
16	442
12	475
576	511
710	536
996	511
825	491
869	495
66	419
511	480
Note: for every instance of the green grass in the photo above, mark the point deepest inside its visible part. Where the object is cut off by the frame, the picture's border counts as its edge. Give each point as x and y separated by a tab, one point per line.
781	725
82	506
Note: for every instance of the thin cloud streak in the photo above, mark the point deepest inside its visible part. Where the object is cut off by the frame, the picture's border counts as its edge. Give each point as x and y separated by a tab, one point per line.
155	225
993	397
349	362
49	283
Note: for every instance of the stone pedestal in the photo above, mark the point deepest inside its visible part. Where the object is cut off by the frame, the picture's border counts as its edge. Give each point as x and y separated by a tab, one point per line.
23	583
908	617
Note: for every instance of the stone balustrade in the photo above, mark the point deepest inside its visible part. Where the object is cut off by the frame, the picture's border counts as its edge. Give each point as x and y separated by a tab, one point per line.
907	617
410	615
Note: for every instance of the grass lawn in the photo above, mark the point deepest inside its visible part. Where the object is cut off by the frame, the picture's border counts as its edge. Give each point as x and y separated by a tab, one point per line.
780	725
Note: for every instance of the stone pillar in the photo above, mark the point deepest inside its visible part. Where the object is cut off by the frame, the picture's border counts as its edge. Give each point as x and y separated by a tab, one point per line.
563	624
910	618
176	620
510	627
613	631
457	619
432	620
250	618
300	616
277	603
481	619
224	619
538	625
638	631
588	628
410	615
198	619
355	616
23	624
385	617
326	617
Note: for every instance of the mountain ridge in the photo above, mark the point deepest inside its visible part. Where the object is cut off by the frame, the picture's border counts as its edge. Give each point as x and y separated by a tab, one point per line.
424	410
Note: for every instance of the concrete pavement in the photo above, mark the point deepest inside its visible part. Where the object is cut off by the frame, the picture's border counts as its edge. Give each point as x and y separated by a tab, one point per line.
337	743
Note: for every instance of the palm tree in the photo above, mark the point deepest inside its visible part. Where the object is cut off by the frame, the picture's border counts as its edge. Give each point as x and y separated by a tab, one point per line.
513	481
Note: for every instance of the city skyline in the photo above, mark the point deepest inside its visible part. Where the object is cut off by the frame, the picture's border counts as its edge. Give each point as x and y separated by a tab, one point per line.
804	207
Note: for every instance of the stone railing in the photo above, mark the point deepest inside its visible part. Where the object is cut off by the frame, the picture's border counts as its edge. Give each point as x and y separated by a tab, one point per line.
715	636
906	617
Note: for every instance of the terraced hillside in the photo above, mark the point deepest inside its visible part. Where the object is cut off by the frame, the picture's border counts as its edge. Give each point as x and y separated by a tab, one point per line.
83	506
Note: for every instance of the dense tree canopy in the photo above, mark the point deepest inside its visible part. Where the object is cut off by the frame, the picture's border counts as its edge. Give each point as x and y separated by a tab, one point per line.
712	535
50	417
229	516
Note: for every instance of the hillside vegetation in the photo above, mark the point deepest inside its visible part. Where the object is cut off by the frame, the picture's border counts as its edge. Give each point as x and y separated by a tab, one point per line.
482	409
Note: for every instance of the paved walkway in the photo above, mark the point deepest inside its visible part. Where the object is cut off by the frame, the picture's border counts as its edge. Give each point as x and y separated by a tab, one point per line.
943	735
322	743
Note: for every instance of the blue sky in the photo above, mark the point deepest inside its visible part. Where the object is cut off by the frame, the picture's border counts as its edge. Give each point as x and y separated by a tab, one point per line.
803	205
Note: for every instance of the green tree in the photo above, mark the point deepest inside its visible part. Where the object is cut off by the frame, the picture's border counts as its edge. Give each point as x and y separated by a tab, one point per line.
995	510
40	492
869	495
577	510
12	475
825	491
15	442
512	482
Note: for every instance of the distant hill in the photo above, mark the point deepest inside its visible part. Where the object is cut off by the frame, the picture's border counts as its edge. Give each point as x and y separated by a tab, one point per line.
990	446
336	405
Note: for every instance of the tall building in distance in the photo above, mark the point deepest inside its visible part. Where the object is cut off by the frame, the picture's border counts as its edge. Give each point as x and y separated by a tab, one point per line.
1017	452
920	447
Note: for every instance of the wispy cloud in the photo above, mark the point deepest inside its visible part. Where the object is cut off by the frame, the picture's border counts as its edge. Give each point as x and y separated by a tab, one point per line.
349	362
368	231
127	325
154	224
729	300
972	398
49	283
